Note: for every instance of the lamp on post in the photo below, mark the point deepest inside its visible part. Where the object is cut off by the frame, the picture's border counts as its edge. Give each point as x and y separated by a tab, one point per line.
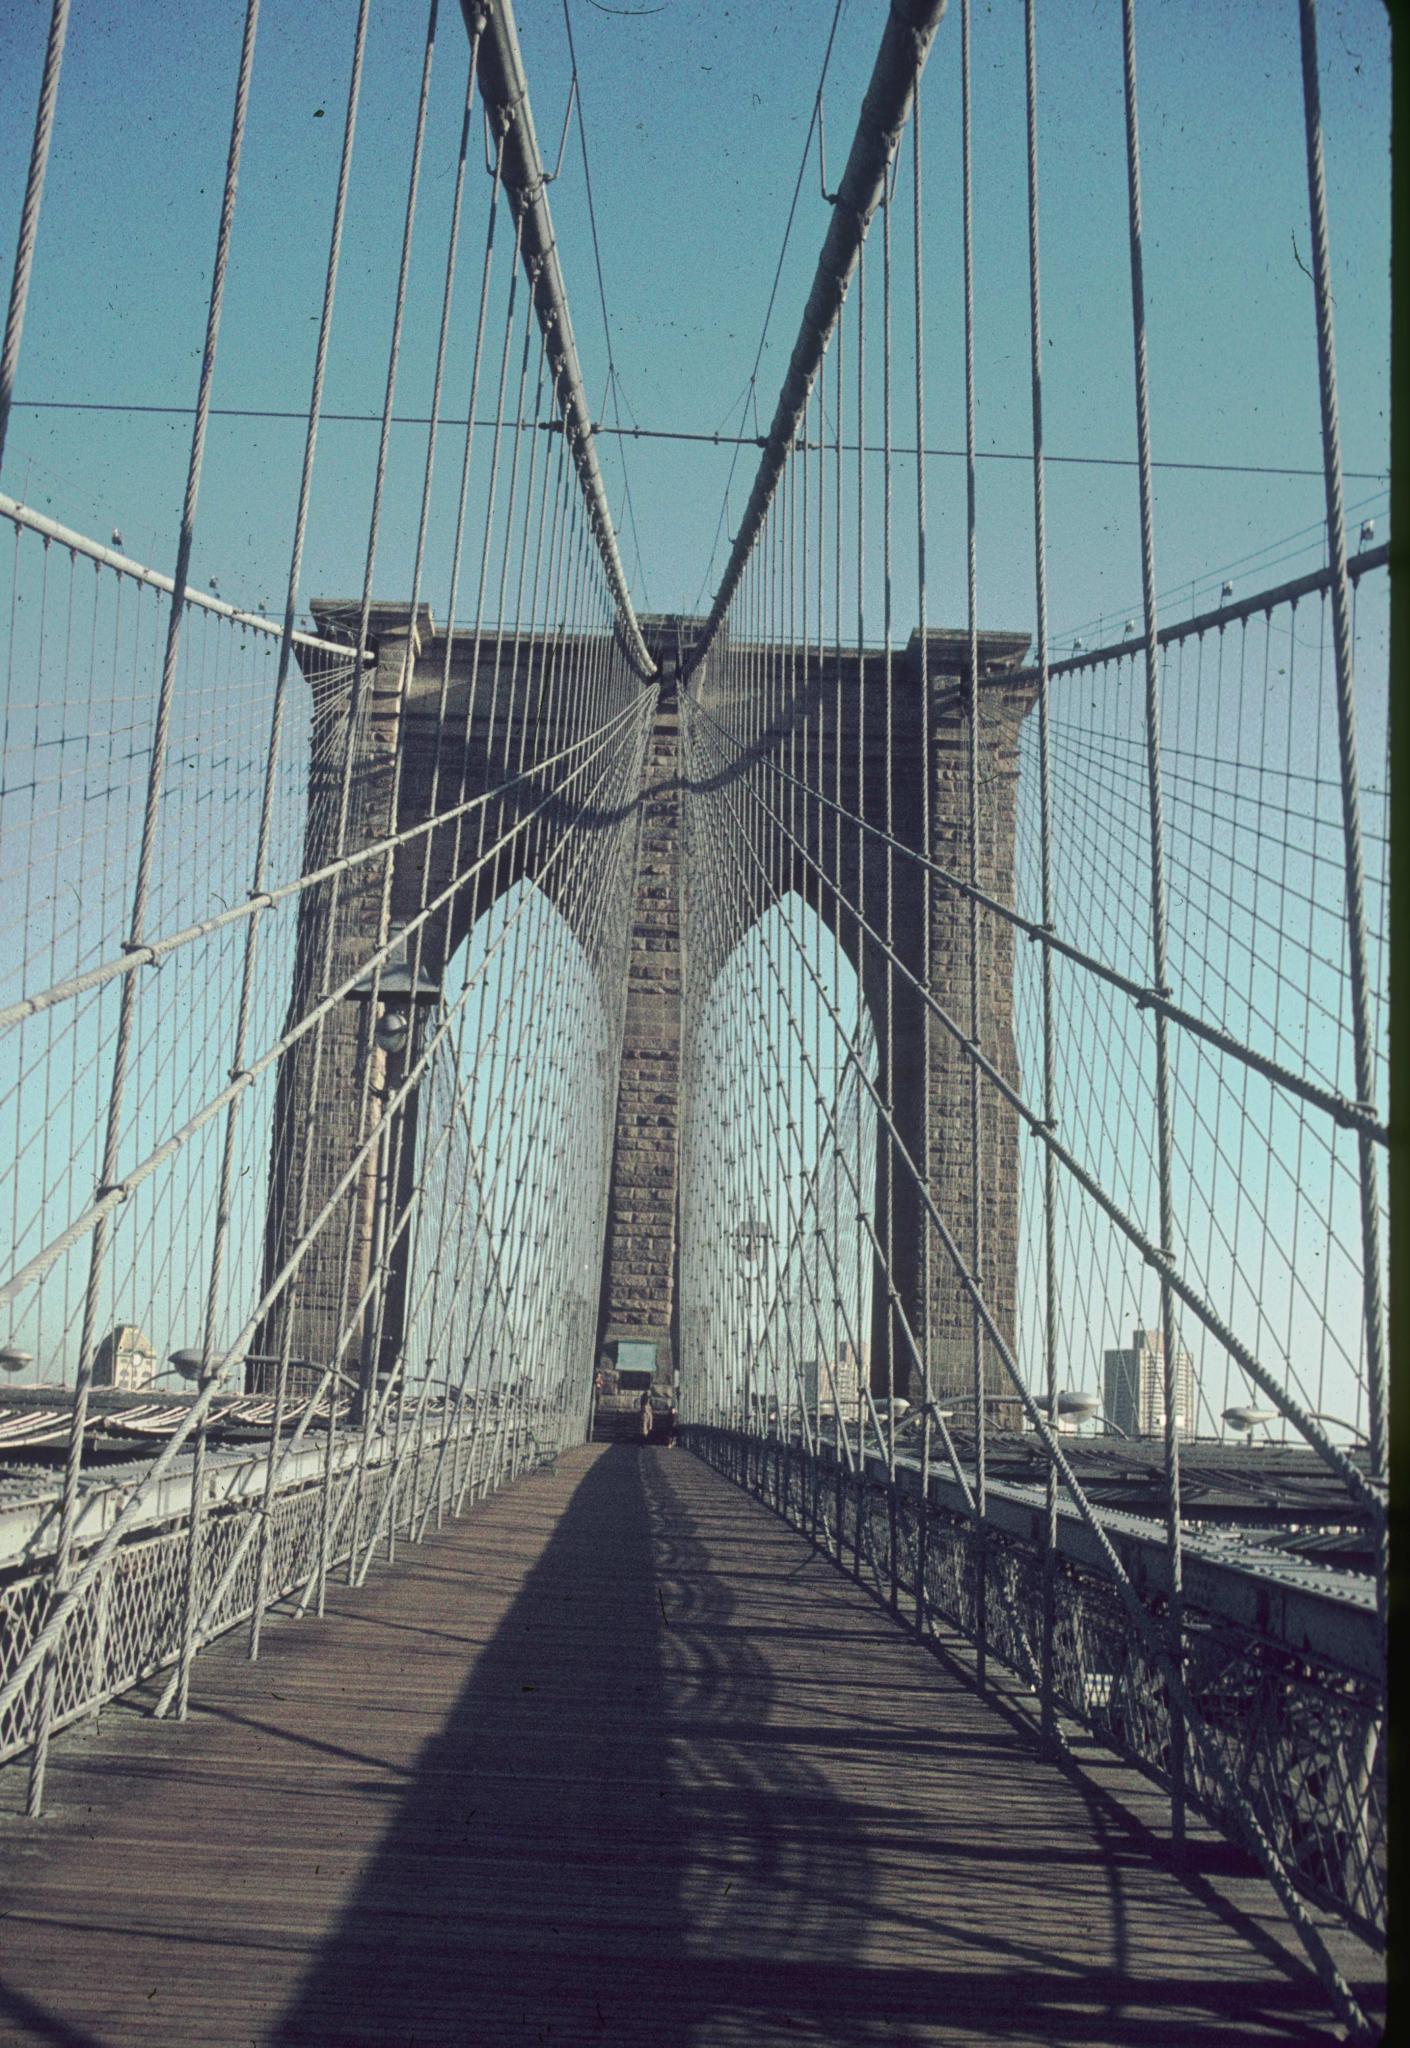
750	1240
13	1360
1246	1420
400	992
1073	1404
189	1364
1079	1406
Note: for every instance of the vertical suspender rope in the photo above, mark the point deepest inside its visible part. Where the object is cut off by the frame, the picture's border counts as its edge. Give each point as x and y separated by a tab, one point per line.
122	1050
927	774
1045	828
1373	1310
976	1113
878	1277
889	870
397	1137
1159	964
29	211
351	740
271	770
486	269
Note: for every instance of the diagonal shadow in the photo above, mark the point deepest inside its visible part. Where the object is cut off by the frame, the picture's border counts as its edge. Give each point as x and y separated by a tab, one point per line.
544	1877
529	1867
633	1827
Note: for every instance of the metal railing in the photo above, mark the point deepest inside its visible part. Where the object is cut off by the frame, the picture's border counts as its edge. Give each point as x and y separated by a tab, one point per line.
128	1625
1300	1732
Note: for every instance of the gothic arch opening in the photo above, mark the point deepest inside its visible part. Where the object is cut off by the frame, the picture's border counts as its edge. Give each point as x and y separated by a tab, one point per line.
778	1179
512	1146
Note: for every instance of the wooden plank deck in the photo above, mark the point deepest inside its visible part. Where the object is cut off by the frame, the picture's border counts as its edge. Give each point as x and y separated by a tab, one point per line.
616	1759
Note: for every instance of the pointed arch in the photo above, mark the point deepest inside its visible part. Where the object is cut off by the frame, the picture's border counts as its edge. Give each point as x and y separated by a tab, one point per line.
778	1200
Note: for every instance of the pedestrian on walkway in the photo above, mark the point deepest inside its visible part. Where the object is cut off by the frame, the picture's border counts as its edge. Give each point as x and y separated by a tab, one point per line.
644	1404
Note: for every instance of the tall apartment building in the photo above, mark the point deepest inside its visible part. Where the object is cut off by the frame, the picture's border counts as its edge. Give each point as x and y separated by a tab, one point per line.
1133	1393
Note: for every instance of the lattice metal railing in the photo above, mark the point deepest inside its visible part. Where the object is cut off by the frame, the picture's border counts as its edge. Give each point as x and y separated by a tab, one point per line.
129	1623
1303	1737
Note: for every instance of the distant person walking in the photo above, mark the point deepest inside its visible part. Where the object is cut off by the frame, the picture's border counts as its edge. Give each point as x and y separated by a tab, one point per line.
644	1406
672	1424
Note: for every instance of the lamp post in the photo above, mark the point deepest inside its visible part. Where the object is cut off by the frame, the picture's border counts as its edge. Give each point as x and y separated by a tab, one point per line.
1072	1403
189	1363
750	1240
1246	1420
400	993
1358	1435
343	1379
13	1360
168	1372
1084	1407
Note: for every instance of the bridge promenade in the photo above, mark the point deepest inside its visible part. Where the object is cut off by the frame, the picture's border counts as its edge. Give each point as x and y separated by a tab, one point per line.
834	956
619	1756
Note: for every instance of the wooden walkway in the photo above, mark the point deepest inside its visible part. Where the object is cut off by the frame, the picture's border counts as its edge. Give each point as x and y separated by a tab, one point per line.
616	1759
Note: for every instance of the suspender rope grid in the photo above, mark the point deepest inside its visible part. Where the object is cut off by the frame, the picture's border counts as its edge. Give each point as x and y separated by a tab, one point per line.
1022	999
465	1226
157	762
785	770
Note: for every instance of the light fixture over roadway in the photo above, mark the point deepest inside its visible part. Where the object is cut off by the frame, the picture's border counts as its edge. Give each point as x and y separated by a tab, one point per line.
1080	1406
188	1362
1247	1420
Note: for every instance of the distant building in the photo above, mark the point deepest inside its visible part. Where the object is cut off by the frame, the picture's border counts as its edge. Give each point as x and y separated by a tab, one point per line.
125	1360
1133	1394
850	1375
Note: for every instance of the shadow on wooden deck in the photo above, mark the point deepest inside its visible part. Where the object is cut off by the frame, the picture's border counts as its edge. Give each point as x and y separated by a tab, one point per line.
617	1758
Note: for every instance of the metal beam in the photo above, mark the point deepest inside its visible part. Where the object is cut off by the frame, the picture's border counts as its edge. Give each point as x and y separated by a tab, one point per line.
504	89
1309	1609
905	45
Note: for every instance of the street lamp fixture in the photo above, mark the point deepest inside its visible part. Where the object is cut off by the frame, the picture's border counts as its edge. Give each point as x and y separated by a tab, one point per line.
1247	1420
399	993
14	1360
190	1363
392	1030
1078	1405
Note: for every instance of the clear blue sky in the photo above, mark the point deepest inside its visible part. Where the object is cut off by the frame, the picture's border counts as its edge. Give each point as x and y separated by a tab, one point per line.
696	116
